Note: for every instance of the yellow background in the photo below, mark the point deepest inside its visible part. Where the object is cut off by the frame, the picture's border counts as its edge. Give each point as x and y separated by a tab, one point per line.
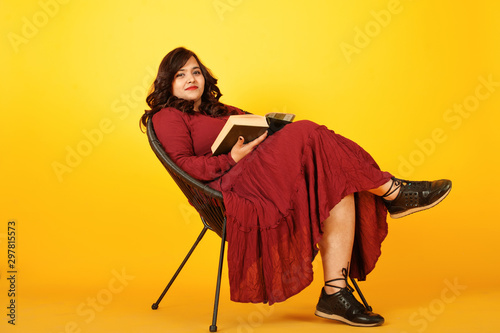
385	73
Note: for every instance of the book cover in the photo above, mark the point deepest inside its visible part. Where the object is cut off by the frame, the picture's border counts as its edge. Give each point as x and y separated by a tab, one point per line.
249	127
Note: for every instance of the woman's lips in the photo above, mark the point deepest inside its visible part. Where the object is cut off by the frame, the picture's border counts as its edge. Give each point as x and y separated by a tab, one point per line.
192	88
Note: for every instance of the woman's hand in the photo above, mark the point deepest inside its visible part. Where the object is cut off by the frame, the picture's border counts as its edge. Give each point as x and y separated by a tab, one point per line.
242	149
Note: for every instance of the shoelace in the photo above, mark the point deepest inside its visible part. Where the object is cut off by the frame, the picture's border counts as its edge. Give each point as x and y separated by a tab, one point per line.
345	273
396	183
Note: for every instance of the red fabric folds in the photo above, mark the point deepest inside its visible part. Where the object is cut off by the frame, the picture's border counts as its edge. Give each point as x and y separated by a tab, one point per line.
277	197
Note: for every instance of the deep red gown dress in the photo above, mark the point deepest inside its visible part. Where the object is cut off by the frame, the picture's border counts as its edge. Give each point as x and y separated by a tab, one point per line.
277	197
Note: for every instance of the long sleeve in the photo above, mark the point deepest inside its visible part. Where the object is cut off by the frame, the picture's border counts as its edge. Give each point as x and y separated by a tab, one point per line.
176	130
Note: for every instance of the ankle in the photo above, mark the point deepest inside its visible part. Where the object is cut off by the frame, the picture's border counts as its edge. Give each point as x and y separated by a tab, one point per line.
393	195
332	290
394	189
336	284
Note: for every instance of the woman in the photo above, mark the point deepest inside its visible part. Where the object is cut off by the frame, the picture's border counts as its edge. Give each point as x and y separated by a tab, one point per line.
303	189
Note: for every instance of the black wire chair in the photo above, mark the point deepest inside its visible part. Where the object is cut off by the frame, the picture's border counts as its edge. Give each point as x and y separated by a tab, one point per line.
210	205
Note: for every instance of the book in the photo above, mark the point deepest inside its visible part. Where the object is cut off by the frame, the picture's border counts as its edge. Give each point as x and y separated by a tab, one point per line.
250	127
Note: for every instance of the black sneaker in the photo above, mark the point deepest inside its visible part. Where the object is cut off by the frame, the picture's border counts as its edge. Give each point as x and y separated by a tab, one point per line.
416	196
344	307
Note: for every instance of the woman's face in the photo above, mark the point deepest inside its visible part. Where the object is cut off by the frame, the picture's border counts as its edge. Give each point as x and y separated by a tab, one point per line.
189	83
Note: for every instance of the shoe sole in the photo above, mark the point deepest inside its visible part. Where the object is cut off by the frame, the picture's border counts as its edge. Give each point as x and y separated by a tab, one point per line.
344	320
419	209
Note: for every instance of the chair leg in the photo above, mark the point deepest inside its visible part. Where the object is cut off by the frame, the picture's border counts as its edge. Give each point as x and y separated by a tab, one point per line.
155	305
213	327
369	308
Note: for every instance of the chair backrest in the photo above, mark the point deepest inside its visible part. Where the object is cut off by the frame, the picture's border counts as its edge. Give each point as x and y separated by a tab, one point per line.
207	201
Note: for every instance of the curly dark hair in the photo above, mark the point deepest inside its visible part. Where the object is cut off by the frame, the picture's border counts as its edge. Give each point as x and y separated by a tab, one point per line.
161	96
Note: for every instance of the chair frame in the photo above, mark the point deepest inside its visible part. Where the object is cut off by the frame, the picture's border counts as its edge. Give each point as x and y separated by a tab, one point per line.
209	204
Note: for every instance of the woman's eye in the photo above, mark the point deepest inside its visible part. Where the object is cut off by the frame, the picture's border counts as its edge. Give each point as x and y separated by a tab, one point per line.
179	75
197	72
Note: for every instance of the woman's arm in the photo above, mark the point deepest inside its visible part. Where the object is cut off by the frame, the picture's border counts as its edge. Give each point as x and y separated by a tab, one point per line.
175	136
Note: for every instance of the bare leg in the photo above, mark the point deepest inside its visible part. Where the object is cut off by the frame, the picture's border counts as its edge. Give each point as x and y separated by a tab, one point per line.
381	190
338	237
337	241
337	302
